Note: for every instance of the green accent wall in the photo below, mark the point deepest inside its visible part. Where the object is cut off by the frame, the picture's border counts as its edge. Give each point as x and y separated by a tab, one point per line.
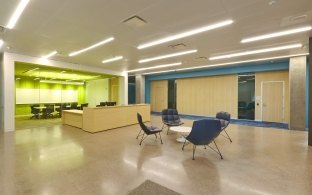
26	83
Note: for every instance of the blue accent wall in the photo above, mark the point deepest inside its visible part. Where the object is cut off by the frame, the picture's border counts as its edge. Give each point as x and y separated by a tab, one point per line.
254	67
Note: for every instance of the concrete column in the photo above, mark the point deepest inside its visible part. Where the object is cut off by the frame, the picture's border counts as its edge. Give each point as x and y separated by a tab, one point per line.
297	83
310	92
139	89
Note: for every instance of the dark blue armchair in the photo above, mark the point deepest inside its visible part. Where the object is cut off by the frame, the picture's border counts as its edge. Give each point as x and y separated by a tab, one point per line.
170	117
148	130
225	119
203	133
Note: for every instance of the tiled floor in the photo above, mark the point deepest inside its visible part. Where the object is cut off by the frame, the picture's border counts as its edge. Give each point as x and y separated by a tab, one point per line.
60	159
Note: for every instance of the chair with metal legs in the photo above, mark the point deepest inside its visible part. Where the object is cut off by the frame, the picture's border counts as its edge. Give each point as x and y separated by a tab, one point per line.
147	130
225	119
170	118
203	133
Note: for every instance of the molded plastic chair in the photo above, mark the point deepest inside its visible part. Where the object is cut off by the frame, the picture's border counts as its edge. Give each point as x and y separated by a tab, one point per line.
225	119
203	133
148	130
170	117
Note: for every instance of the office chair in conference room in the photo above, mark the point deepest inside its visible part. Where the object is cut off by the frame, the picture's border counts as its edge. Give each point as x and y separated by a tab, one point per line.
170	117
83	105
48	111
35	111
74	106
148	130
225	119
203	133
58	109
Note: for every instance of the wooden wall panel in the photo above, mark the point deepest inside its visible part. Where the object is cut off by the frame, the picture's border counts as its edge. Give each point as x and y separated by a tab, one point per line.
271	76
206	96
159	95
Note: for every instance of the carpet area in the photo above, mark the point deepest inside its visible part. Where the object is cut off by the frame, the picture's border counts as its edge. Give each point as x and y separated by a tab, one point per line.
151	188
237	121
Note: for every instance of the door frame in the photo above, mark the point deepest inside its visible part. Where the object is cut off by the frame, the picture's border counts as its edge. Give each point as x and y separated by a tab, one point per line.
283	98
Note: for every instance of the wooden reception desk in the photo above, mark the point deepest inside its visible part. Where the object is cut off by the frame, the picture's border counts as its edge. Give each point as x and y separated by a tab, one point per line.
105	118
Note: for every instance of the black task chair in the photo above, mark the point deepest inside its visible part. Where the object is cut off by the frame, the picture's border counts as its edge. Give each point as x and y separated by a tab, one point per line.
74	106
48	111
225	119
35	111
58	109
83	105
148	130
203	133
170	117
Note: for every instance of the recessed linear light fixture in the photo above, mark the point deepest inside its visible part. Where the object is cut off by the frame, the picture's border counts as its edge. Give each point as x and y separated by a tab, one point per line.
28	71
1	43
165	71
17	78
277	34
155	67
167	56
36	78
63	71
112	59
256	51
186	34
61	82
17	13
49	55
231	63
92	46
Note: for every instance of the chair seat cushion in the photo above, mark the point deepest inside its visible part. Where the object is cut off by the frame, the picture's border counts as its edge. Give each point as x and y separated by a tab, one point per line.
224	123
154	129
174	123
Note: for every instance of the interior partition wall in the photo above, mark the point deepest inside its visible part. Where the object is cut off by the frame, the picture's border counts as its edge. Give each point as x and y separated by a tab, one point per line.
205	96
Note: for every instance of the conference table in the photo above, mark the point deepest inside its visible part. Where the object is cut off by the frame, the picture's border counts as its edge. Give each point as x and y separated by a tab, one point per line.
182	131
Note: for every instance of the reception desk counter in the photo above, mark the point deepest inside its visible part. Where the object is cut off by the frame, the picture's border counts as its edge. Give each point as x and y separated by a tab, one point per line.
105	118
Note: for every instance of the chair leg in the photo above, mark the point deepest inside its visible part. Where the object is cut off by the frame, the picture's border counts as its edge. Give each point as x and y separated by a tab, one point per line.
194	148
160	138
168	130
143	138
228	135
183	144
218	149
138	134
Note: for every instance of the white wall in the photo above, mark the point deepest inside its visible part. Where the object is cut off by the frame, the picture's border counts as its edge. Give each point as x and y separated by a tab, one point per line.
1	92
97	91
7	71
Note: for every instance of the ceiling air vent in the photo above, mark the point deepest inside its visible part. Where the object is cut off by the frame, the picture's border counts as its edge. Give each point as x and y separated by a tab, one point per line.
297	19
135	21
201	58
179	46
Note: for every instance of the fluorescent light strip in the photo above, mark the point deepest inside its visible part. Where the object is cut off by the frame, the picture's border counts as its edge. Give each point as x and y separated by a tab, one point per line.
1	43
28	71
186	34
232	63
277	34
167	56
17	13
256	51
92	46
158	72
61	82
50	55
112	59
155	67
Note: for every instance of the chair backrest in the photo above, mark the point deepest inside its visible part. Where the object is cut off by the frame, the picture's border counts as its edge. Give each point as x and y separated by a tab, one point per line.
170	116
223	115
143	127
73	105
103	103
204	131
33	109
83	105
